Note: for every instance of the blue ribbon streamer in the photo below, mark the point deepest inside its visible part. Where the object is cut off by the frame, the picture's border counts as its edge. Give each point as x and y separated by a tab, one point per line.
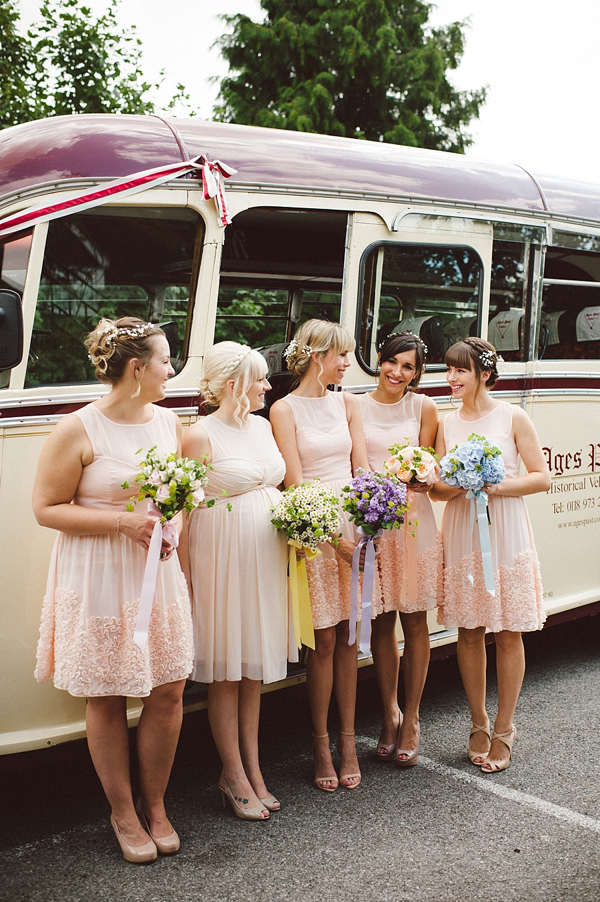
367	542
479	512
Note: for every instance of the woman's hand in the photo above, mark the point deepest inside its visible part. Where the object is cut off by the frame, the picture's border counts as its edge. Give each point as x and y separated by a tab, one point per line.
345	550
139	528
421	488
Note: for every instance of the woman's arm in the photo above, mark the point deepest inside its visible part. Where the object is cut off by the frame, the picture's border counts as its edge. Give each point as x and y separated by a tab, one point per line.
359	457
64	455
196	443
284	430
537	478
439	490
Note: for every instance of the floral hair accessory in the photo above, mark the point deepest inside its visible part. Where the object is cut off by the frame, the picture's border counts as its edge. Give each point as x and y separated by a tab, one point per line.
294	347
490	359
406	332
113	333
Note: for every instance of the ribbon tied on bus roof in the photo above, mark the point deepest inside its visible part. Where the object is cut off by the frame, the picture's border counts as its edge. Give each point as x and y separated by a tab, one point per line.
212	180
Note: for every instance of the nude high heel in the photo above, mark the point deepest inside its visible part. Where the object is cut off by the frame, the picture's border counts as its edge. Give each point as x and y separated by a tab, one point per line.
166	845
492	767
411	755
134	854
319	782
478	728
346	777
246	814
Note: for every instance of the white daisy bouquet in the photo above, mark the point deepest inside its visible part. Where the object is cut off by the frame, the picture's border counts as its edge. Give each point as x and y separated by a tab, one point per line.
307	514
412	464
172	483
472	464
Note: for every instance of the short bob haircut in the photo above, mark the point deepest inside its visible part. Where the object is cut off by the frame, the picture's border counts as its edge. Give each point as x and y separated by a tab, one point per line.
466	354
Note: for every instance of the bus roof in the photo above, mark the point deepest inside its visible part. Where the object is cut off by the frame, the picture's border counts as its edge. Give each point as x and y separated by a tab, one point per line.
95	146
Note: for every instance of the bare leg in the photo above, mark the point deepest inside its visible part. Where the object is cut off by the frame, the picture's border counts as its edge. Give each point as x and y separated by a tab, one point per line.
472	663
108	742
157	736
386	658
510	670
319	685
223	706
345	671
415	663
248	717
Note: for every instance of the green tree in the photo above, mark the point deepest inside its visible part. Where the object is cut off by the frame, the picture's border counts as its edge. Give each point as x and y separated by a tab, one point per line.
369	69
72	62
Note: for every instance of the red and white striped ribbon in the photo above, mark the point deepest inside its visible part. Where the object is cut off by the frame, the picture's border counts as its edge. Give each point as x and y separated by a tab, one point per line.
212	175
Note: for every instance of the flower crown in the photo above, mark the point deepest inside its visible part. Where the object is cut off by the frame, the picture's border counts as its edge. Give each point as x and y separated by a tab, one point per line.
490	359
112	333
294	347
398	334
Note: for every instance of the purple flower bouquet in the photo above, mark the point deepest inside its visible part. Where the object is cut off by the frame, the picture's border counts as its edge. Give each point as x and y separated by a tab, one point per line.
375	501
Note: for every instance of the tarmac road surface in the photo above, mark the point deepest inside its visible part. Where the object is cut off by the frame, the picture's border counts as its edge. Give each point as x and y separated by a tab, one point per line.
438	832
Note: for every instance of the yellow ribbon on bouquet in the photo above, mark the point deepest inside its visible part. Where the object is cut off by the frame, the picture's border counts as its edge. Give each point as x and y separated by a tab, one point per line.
301	612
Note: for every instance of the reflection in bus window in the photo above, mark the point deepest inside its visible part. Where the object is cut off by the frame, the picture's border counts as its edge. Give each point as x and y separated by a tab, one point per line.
430	290
112	262
570	327
279	268
14	257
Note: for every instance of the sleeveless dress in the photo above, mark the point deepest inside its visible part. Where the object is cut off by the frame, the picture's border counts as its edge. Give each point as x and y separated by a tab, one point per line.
238	560
324	445
517	604
94	582
385	425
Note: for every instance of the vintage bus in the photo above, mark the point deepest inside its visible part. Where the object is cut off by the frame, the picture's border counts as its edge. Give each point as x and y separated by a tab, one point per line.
377	237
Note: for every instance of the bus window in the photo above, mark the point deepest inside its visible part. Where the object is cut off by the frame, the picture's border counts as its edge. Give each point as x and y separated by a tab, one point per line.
112	262
431	290
513	261
279	268
570	328
14	257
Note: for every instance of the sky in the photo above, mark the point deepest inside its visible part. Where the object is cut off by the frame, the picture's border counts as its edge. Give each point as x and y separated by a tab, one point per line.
539	59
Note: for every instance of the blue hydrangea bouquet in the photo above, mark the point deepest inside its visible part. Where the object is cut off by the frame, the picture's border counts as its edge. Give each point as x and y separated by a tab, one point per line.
473	464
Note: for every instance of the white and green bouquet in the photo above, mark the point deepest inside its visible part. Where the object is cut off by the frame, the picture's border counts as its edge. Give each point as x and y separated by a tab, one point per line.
308	514
172	483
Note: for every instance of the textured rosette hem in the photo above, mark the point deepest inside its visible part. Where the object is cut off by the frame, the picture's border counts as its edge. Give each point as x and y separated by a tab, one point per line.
97	656
517	605
392	573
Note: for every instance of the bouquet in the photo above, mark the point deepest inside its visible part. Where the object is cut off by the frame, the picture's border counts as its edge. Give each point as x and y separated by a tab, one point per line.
412	464
172	483
375	501
472	464
307	514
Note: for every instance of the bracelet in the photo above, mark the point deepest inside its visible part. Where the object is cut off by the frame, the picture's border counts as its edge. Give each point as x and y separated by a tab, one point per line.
119	522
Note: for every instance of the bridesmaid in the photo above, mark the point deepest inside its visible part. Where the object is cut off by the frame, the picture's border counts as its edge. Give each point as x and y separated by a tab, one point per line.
96	575
517	604
237	566
319	433
394	414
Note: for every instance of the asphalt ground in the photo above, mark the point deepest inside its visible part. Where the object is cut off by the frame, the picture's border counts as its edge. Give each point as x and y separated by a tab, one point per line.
439	831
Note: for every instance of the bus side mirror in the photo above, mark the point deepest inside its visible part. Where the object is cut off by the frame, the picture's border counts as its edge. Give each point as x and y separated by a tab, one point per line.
11	329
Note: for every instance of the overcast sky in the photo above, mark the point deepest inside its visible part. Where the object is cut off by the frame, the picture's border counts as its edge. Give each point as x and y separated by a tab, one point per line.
540	59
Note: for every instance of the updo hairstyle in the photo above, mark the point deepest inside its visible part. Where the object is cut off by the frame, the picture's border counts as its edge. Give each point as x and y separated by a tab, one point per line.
229	360
113	343
398	343
316	336
475	354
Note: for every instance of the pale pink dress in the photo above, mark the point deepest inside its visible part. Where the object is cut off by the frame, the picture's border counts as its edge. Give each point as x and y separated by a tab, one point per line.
238	560
385	425
94	582
324	445
517	604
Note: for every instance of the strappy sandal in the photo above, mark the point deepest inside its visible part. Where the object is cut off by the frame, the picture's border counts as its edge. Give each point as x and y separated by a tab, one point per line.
320	781
345	777
478	728
492	767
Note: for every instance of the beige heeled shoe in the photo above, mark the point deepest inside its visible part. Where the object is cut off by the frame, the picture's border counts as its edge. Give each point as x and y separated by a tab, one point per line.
478	728
346	777
257	813
271	803
411	755
134	854
492	767
166	845
320	782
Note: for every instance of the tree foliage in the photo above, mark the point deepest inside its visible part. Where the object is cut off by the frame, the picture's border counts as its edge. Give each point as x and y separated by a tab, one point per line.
72	62
369	69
